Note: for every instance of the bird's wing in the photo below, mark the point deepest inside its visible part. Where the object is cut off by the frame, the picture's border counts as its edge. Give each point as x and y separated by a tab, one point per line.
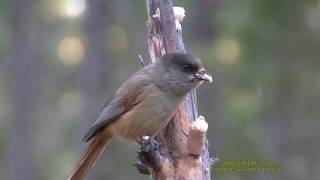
127	97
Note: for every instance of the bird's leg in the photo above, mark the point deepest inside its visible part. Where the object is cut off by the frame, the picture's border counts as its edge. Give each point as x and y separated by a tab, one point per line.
150	155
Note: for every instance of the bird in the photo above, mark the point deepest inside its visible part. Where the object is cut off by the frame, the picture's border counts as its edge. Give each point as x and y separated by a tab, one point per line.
143	105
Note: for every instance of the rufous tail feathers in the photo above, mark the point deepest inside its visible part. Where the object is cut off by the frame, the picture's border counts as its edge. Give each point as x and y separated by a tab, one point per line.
89	159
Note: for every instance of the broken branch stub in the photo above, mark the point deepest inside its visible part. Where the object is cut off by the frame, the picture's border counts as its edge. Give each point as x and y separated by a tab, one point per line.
197	136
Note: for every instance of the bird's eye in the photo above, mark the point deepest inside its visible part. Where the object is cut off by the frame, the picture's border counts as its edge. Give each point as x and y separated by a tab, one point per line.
187	67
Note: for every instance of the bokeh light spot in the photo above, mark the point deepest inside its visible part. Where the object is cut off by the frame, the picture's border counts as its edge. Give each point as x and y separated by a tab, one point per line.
70	104
71	51
246	104
71	8
117	38
312	16
226	50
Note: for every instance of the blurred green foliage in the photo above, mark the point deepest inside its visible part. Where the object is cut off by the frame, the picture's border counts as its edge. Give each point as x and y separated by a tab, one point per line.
263	105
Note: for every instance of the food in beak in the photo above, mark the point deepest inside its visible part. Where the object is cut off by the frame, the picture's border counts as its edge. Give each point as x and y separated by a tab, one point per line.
203	75
207	77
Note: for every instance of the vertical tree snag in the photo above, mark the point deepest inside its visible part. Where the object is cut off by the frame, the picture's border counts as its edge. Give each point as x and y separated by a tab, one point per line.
176	161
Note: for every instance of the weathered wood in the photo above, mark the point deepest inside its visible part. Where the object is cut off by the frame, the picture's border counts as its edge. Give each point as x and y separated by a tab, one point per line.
197	136
177	162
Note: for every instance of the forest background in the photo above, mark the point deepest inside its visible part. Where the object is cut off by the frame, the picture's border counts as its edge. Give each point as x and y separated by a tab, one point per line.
60	60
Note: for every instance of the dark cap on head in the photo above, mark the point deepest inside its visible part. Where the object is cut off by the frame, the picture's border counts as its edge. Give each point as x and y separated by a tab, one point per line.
185	60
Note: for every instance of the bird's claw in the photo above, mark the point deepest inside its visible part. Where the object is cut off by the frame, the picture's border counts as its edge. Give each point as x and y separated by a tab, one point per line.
150	154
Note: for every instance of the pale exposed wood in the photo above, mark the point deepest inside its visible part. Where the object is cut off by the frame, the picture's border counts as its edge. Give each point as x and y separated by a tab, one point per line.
197	136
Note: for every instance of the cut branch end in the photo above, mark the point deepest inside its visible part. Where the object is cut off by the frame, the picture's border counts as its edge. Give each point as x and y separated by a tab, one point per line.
197	136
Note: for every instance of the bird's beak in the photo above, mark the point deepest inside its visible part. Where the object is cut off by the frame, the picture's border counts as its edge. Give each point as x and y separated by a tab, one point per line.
203	75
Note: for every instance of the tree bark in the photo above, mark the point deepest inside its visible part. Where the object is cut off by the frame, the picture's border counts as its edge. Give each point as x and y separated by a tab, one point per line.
176	163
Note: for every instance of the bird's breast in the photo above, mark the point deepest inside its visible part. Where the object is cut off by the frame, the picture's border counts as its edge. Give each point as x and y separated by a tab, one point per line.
148	117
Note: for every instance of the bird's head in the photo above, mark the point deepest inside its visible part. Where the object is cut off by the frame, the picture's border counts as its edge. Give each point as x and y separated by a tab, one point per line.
180	72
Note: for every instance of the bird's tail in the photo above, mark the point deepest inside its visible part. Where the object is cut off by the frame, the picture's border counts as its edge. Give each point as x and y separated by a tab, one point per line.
89	159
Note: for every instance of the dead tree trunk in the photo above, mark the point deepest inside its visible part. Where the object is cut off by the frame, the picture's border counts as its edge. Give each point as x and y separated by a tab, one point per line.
174	160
